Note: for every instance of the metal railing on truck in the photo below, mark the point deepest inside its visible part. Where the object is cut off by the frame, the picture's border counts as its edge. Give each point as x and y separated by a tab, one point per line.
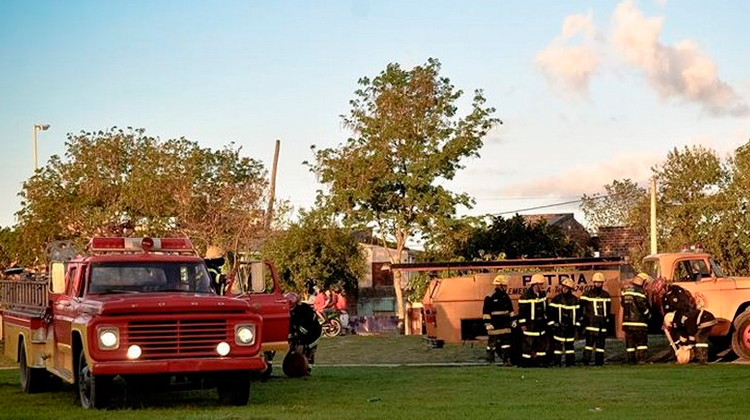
28	295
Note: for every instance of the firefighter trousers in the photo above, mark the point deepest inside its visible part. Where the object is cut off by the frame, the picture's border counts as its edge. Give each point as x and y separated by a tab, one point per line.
701	345
594	344
534	348
636	344
562	340
499	344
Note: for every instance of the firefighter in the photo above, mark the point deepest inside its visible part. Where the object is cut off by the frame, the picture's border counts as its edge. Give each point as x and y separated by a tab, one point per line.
596	307
687	324
497	313
532	310
563	315
635	314
214	262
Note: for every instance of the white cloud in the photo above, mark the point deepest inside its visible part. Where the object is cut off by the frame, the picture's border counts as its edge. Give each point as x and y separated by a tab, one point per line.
681	71
569	68
589	179
676	72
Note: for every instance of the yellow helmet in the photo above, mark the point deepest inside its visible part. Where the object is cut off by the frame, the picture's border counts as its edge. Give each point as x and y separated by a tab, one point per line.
598	278
501	279
641	278
684	354
568	282
536	279
213	252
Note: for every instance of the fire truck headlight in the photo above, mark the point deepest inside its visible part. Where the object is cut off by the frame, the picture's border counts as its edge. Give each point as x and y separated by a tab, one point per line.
245	335
134	352
222	348
109	338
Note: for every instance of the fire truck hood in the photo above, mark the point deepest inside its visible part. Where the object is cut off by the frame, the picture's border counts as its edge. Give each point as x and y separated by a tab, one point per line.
163	303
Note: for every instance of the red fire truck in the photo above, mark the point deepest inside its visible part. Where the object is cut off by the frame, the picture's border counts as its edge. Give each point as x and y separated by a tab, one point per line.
140	309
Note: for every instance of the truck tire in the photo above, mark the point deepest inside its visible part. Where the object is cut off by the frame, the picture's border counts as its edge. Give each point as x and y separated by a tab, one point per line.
93	390
741	336
32	379
234	388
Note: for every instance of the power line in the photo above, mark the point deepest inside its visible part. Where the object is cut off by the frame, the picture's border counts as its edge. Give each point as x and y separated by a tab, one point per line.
539	207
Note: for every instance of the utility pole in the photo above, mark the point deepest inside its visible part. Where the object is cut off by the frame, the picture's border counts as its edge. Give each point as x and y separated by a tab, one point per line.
653	215
34	129
272	187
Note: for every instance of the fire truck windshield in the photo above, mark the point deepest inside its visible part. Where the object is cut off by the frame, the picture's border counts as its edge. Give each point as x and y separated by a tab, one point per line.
148	277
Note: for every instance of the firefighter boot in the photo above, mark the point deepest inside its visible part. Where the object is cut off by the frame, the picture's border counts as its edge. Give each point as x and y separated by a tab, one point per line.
599	358
570	359
586	357
630	356
490	355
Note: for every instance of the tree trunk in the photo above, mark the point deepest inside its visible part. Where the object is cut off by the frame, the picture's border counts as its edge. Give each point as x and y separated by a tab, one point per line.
399	299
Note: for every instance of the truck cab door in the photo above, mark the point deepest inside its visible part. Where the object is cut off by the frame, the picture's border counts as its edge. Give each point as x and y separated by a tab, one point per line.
260	286
64	307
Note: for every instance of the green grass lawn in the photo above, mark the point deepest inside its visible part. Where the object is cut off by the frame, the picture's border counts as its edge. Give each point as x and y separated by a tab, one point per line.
658	391
484	392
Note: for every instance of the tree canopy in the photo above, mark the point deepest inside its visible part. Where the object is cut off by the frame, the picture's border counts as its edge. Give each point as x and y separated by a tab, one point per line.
124	182
315	250
701	198
407	139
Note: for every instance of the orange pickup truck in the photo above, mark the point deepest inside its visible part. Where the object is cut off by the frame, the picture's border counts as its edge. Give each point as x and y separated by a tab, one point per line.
727	298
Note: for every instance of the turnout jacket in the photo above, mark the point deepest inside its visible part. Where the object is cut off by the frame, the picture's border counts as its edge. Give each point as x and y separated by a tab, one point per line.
596	308
532	311
564	310
635	311
497	312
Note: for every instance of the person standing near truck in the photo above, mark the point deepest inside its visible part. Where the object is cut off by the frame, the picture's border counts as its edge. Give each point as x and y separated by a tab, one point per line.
596	306
497	313
214	262
532	318
635	314
564	311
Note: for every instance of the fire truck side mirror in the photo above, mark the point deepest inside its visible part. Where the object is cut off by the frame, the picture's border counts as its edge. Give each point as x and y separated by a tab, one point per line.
57	277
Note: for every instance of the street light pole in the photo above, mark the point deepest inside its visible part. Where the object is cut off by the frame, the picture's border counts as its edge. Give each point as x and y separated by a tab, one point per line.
37	127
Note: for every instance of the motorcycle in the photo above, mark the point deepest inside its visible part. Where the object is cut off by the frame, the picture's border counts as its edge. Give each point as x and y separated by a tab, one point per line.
335	323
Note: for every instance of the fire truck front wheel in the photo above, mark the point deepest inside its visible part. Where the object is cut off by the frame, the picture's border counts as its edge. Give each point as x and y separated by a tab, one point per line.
234	388
741	336
93	390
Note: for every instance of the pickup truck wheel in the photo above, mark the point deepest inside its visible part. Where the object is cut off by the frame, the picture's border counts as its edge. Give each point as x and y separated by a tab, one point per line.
93	390
234	388
741	337
31	379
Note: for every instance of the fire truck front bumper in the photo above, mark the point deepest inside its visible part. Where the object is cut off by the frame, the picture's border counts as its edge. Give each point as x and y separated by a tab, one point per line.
147	367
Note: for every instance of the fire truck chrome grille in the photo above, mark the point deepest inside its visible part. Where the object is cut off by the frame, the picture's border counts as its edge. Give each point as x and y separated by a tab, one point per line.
177	338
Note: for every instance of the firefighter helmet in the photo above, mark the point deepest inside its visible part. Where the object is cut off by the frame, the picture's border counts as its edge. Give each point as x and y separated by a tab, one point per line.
684	354
568	282
501	279
213	252
536	279
641	278
598	278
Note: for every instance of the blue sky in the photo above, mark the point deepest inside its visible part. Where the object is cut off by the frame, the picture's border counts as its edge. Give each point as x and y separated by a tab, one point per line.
589	91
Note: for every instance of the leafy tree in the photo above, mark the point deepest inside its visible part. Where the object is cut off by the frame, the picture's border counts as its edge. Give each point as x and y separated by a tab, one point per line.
9	246
314	249
618	206
689	191
407	138
123	182
514	238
